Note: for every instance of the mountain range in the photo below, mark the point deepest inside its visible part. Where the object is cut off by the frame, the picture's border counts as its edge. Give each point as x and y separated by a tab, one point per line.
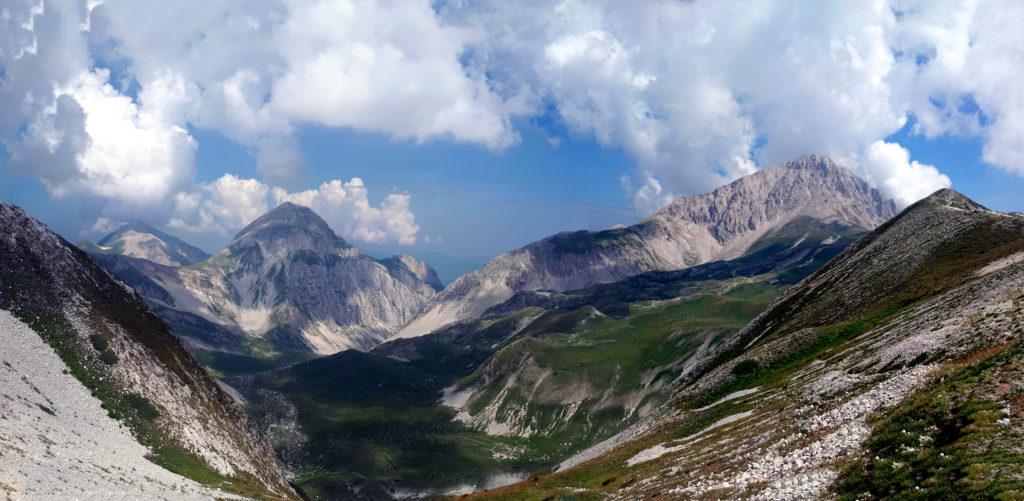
538	377
790	335
285	284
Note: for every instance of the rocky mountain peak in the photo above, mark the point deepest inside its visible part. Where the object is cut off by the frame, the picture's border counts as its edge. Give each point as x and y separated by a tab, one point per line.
286	229
814	162
289	279
811	185
137	225
947	197
141	240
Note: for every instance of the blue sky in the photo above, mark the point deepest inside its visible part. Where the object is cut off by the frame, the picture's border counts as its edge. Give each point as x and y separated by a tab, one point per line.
454	131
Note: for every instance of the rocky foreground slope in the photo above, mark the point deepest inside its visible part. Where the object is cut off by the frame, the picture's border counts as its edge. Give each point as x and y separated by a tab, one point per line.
285	284
57	441
697	229
125	356
892	372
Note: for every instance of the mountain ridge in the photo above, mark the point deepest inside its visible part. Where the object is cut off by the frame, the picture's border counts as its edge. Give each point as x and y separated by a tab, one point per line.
885	373
691	230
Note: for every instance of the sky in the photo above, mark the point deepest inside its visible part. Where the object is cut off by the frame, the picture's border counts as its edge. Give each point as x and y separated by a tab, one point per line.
457	130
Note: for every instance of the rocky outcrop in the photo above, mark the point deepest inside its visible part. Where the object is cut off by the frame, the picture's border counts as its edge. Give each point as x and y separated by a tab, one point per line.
692	230
412	272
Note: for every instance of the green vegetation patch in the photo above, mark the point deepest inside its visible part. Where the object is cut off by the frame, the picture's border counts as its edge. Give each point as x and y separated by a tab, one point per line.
610	361
99	342
799	352
605	475
953	440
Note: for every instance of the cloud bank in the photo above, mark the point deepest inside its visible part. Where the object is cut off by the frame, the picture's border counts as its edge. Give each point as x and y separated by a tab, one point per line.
99	97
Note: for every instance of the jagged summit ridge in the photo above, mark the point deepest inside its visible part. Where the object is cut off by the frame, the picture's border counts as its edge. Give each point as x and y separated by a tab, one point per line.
692	230
810	185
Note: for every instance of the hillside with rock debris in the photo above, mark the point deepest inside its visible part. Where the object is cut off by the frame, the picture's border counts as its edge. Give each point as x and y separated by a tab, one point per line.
126	357
58	442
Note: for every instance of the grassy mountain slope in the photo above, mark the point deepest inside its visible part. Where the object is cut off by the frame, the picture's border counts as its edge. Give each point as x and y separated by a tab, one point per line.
891	369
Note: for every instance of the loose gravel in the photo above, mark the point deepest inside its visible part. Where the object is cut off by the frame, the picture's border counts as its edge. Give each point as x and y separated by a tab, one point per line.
56	442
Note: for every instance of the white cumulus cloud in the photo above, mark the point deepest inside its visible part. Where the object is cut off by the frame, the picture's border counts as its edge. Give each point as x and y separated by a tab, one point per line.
699	93
889	167
99	98
229	203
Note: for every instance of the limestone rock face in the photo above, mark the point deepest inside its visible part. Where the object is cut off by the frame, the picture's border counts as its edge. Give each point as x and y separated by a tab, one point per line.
692	230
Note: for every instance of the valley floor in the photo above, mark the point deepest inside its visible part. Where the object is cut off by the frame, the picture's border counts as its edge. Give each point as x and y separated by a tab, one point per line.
57	442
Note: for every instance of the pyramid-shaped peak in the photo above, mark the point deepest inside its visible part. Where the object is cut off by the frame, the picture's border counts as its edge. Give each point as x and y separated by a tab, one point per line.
142	240
948	197
141	226
291	214
291	211
138	226
291	221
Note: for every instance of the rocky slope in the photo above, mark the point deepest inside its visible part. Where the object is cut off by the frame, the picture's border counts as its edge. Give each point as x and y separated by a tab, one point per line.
285	283
719	225
109	340
886	374
57	441
143	241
